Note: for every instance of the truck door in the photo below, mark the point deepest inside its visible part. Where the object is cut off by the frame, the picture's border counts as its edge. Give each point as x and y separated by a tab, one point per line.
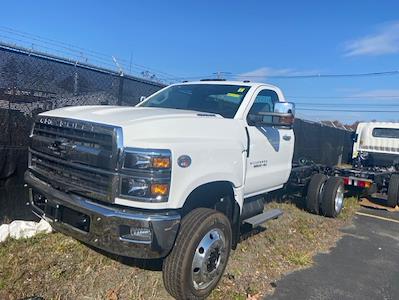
271	149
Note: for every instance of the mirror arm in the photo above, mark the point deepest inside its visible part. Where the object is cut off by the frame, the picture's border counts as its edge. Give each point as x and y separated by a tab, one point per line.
274	114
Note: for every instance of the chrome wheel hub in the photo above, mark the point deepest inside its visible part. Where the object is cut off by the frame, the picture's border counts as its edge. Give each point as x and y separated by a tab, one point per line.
339	199
209	259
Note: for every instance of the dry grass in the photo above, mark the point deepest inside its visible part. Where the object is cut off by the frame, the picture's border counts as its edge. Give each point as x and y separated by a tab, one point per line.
57	267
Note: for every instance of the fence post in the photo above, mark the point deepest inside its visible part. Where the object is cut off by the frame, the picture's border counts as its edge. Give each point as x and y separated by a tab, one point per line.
120	92
75	82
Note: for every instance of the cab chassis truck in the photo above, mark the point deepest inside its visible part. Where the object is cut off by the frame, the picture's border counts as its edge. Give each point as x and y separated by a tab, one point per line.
174	177
375	162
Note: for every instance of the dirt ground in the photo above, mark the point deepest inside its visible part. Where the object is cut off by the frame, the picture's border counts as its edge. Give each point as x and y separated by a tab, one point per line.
54	266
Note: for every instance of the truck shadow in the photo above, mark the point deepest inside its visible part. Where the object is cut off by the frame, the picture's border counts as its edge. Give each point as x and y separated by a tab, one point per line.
296	198
146	264
299	200
156	264
247	231
377	202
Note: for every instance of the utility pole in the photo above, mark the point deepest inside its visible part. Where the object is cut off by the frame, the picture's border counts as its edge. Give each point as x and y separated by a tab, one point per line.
219	74
131	62
118	66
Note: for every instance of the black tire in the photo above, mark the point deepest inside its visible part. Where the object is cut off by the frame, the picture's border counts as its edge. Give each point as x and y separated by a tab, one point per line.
371	190
313	197
332	187
177	267
393	191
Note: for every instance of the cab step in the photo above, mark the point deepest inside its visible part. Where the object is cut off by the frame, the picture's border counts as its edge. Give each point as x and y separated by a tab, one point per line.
263	217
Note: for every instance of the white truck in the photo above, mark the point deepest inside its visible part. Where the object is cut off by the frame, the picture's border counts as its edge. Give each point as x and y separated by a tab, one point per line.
174	177
375	155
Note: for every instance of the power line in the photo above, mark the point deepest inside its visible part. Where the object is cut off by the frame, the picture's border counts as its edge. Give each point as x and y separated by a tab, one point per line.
106	59
349	110
65	53
346	104
345	97
98	62
369	74
77	52
47	40
240	77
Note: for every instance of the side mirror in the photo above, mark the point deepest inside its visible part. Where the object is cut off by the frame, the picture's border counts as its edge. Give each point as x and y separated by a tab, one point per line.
142	98
282	116
285	108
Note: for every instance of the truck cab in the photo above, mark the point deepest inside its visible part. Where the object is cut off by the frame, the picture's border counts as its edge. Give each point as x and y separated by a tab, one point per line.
251	146
173	177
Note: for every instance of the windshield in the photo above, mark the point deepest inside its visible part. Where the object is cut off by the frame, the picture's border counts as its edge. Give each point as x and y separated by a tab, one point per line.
222	99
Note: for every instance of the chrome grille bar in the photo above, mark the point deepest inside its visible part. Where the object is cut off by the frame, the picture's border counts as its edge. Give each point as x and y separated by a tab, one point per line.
76	156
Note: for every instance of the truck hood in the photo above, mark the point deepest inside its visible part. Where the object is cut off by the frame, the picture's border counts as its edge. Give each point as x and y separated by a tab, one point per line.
122	116
159	127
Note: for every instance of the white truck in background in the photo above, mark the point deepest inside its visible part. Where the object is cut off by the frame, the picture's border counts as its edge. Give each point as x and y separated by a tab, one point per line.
174	177
375	157
377	143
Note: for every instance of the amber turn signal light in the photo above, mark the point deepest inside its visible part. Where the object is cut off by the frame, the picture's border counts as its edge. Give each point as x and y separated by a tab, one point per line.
159	189
161	162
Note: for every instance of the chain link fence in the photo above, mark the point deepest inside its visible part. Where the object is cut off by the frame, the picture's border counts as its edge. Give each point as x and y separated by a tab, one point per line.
321	143
30	83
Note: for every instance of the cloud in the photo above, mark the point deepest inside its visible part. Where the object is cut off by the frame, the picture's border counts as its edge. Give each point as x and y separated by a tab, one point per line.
265	72
388	94
384	41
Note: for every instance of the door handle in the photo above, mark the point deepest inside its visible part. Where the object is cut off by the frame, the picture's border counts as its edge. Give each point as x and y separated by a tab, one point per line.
286	137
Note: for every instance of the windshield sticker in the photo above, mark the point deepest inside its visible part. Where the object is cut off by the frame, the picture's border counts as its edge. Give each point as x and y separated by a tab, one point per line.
240	90
233	95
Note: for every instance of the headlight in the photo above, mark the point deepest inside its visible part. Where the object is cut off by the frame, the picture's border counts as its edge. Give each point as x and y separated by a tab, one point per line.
143	159
135	187
363	155
145	175
143	188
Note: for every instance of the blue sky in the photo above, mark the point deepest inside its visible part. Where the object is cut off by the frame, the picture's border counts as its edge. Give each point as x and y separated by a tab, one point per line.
258	39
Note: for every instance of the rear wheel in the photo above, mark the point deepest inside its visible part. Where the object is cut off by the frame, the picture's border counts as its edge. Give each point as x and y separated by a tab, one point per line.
393	191
371	190
198	259
333	197
315	190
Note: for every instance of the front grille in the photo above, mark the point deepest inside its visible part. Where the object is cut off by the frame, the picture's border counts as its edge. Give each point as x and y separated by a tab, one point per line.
75	141
82	137
76	156
71	178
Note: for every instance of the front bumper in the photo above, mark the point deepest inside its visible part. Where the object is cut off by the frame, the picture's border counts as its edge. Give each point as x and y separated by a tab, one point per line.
106	224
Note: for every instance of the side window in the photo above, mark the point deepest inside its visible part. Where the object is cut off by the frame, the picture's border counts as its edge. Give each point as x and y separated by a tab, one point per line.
390	133
264	102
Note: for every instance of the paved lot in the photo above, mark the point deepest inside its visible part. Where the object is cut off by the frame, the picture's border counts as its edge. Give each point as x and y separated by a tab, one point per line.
363	265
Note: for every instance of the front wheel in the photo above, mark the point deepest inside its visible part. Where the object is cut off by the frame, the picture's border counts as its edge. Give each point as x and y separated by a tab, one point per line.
198	259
